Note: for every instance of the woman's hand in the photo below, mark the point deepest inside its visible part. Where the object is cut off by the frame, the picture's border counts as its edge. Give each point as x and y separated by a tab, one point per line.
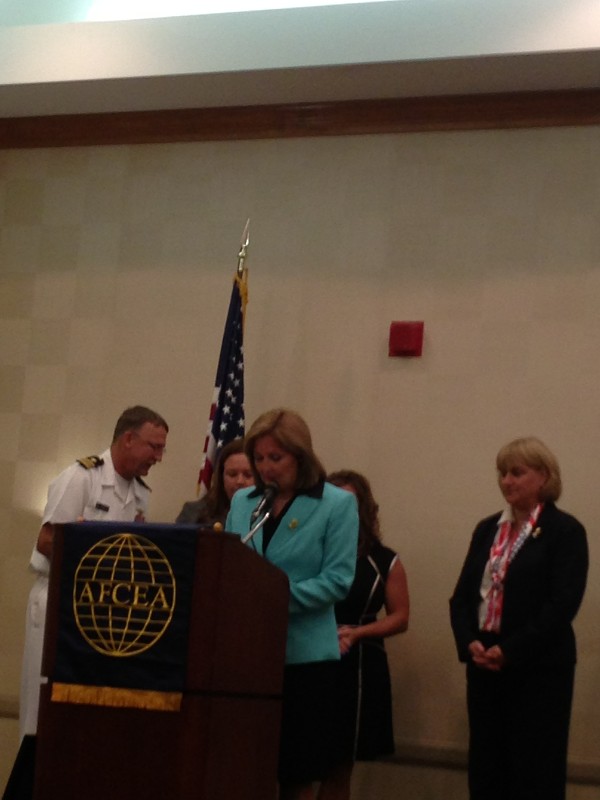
494	658
491	659
347	636
396	616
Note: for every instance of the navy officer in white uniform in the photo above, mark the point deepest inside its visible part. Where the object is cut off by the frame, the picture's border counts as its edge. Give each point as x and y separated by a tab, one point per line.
106	487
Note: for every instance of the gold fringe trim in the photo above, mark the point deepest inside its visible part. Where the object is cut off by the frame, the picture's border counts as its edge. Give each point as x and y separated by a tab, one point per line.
117	698
242	284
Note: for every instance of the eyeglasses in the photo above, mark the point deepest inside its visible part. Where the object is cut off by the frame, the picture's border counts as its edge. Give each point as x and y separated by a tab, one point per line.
159	449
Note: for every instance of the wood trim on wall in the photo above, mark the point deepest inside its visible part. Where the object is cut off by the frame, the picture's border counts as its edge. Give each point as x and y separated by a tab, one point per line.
401	115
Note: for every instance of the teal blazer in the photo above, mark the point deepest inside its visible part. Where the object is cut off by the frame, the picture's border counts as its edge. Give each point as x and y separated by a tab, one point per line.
315	545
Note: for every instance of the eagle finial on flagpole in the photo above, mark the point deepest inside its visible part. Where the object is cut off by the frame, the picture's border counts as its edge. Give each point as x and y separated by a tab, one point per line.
243	249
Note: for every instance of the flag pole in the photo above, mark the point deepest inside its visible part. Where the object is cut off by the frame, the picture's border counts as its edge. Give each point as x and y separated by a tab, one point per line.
226	418
241	268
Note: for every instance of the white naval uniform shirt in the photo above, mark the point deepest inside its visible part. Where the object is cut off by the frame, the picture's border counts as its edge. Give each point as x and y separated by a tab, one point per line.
94	494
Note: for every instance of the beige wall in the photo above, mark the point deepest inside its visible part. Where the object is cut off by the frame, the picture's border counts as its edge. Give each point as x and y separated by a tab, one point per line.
115	268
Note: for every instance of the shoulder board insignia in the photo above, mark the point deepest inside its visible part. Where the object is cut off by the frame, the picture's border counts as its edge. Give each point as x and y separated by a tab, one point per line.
144	484
90	462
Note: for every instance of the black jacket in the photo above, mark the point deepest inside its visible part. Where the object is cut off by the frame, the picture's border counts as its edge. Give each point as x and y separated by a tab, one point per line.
543	589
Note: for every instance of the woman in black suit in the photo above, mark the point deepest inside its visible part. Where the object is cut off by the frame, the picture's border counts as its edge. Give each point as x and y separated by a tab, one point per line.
511	612
232	472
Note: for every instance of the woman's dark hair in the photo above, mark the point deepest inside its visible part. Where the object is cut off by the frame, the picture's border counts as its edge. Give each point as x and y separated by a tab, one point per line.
291	433
217	502
368	509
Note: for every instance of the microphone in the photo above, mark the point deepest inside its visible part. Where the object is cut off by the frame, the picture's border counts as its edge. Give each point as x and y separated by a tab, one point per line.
262	512
265	502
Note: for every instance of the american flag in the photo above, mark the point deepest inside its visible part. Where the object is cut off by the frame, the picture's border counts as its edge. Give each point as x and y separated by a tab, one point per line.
226	420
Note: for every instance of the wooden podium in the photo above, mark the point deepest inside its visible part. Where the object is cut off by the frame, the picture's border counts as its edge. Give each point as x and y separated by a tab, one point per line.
222	744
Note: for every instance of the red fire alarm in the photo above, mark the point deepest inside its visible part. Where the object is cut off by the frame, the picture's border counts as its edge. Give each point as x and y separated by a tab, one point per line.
406	339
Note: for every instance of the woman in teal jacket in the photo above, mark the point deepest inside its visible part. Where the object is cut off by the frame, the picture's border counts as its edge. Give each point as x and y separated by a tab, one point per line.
311	535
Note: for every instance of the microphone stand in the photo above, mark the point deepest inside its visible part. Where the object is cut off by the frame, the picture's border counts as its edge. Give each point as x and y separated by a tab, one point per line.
253	531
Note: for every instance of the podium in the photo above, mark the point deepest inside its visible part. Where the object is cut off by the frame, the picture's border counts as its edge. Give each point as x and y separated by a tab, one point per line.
222	741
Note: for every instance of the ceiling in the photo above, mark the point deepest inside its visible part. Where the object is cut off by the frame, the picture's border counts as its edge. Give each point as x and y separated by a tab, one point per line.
382	50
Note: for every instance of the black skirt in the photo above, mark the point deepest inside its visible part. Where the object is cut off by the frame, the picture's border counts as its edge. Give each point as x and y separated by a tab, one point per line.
306	751
364	704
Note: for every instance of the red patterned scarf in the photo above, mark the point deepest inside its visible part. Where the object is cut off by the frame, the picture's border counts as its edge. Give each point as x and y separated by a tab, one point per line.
503	550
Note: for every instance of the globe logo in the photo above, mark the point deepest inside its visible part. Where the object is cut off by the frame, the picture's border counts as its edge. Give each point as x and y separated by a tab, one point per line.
123	595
